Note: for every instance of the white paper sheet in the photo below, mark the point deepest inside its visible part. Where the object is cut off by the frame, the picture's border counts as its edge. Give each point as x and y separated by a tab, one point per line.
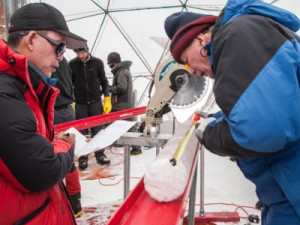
102	139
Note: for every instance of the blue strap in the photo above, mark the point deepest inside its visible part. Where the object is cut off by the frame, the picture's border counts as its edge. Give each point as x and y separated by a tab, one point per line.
47	80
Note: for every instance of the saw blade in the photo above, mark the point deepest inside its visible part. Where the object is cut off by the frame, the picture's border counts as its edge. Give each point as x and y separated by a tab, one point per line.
204	103
192	89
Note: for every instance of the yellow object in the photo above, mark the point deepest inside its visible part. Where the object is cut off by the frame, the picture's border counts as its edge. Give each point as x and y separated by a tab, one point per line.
180	149
107	105
78	214
186	66
73	105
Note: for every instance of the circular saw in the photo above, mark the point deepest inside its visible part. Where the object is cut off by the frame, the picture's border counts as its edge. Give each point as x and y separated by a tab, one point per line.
176	86
177	89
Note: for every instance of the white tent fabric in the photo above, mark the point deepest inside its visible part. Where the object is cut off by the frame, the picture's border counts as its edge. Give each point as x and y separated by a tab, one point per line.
134	28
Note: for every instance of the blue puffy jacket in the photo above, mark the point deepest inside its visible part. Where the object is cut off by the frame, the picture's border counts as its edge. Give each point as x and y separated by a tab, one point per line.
255	56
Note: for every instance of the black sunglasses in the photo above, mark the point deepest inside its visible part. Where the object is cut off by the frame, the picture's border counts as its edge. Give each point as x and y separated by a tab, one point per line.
60	46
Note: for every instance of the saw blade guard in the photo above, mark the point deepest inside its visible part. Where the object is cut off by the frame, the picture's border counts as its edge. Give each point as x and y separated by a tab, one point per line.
170	76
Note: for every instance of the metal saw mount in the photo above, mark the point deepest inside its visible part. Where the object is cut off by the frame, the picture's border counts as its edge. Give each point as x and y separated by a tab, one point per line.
174	87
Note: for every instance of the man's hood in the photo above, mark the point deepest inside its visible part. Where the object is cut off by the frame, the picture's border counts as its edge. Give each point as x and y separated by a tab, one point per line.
124	64
236	8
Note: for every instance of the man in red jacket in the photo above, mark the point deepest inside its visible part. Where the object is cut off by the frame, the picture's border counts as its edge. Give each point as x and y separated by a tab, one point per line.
33	162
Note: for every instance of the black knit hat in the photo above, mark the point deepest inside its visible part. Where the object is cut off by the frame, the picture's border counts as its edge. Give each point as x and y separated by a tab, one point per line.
41	16
113	57
84	48
183	27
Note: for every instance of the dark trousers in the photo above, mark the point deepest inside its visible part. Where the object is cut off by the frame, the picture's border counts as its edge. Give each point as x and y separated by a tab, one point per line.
279	213
64	114
88	110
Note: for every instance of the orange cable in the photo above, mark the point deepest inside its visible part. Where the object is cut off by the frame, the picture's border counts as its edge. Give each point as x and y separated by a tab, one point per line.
112	178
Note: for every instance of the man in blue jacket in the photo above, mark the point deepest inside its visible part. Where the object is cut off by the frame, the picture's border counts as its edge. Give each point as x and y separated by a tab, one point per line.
252	52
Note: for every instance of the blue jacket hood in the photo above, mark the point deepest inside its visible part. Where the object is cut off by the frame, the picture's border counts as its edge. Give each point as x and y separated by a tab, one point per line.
236	8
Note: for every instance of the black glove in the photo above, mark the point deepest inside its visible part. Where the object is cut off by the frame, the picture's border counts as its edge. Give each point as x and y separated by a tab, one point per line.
199	134
202	125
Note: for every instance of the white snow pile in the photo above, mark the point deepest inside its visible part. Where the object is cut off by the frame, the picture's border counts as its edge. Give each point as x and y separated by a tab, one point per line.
165	182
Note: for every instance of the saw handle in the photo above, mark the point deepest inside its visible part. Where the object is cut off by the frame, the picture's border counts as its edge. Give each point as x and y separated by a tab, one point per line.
204	115
196	118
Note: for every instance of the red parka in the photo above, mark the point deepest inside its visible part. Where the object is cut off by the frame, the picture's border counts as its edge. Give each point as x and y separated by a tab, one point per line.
32	163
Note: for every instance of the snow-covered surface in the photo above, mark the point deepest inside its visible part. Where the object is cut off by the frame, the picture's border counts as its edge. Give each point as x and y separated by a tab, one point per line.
111	189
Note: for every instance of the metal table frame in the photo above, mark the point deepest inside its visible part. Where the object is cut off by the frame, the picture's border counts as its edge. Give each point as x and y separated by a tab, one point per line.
137	139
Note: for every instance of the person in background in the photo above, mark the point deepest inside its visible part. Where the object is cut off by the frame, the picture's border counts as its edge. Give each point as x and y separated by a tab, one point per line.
88	76
252	52
121	88
33	162
64	112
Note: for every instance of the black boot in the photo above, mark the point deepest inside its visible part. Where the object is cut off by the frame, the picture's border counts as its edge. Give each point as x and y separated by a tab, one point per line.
258	204
76	204
83	162
102	158
136	151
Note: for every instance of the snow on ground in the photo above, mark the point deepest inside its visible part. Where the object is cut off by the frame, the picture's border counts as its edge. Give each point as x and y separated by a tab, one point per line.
101	197
225	186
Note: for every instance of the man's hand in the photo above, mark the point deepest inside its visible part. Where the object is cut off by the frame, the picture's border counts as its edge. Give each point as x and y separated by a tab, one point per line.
67	137
202	126
88	137
107	105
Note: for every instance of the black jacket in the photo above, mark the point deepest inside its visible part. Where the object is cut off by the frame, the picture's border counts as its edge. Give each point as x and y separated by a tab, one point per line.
121	89
87	78
64	84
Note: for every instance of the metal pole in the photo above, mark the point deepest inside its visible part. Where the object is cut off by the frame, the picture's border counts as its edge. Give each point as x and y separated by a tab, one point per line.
201	213
157	150
10	6
174	124
126	170
192	198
